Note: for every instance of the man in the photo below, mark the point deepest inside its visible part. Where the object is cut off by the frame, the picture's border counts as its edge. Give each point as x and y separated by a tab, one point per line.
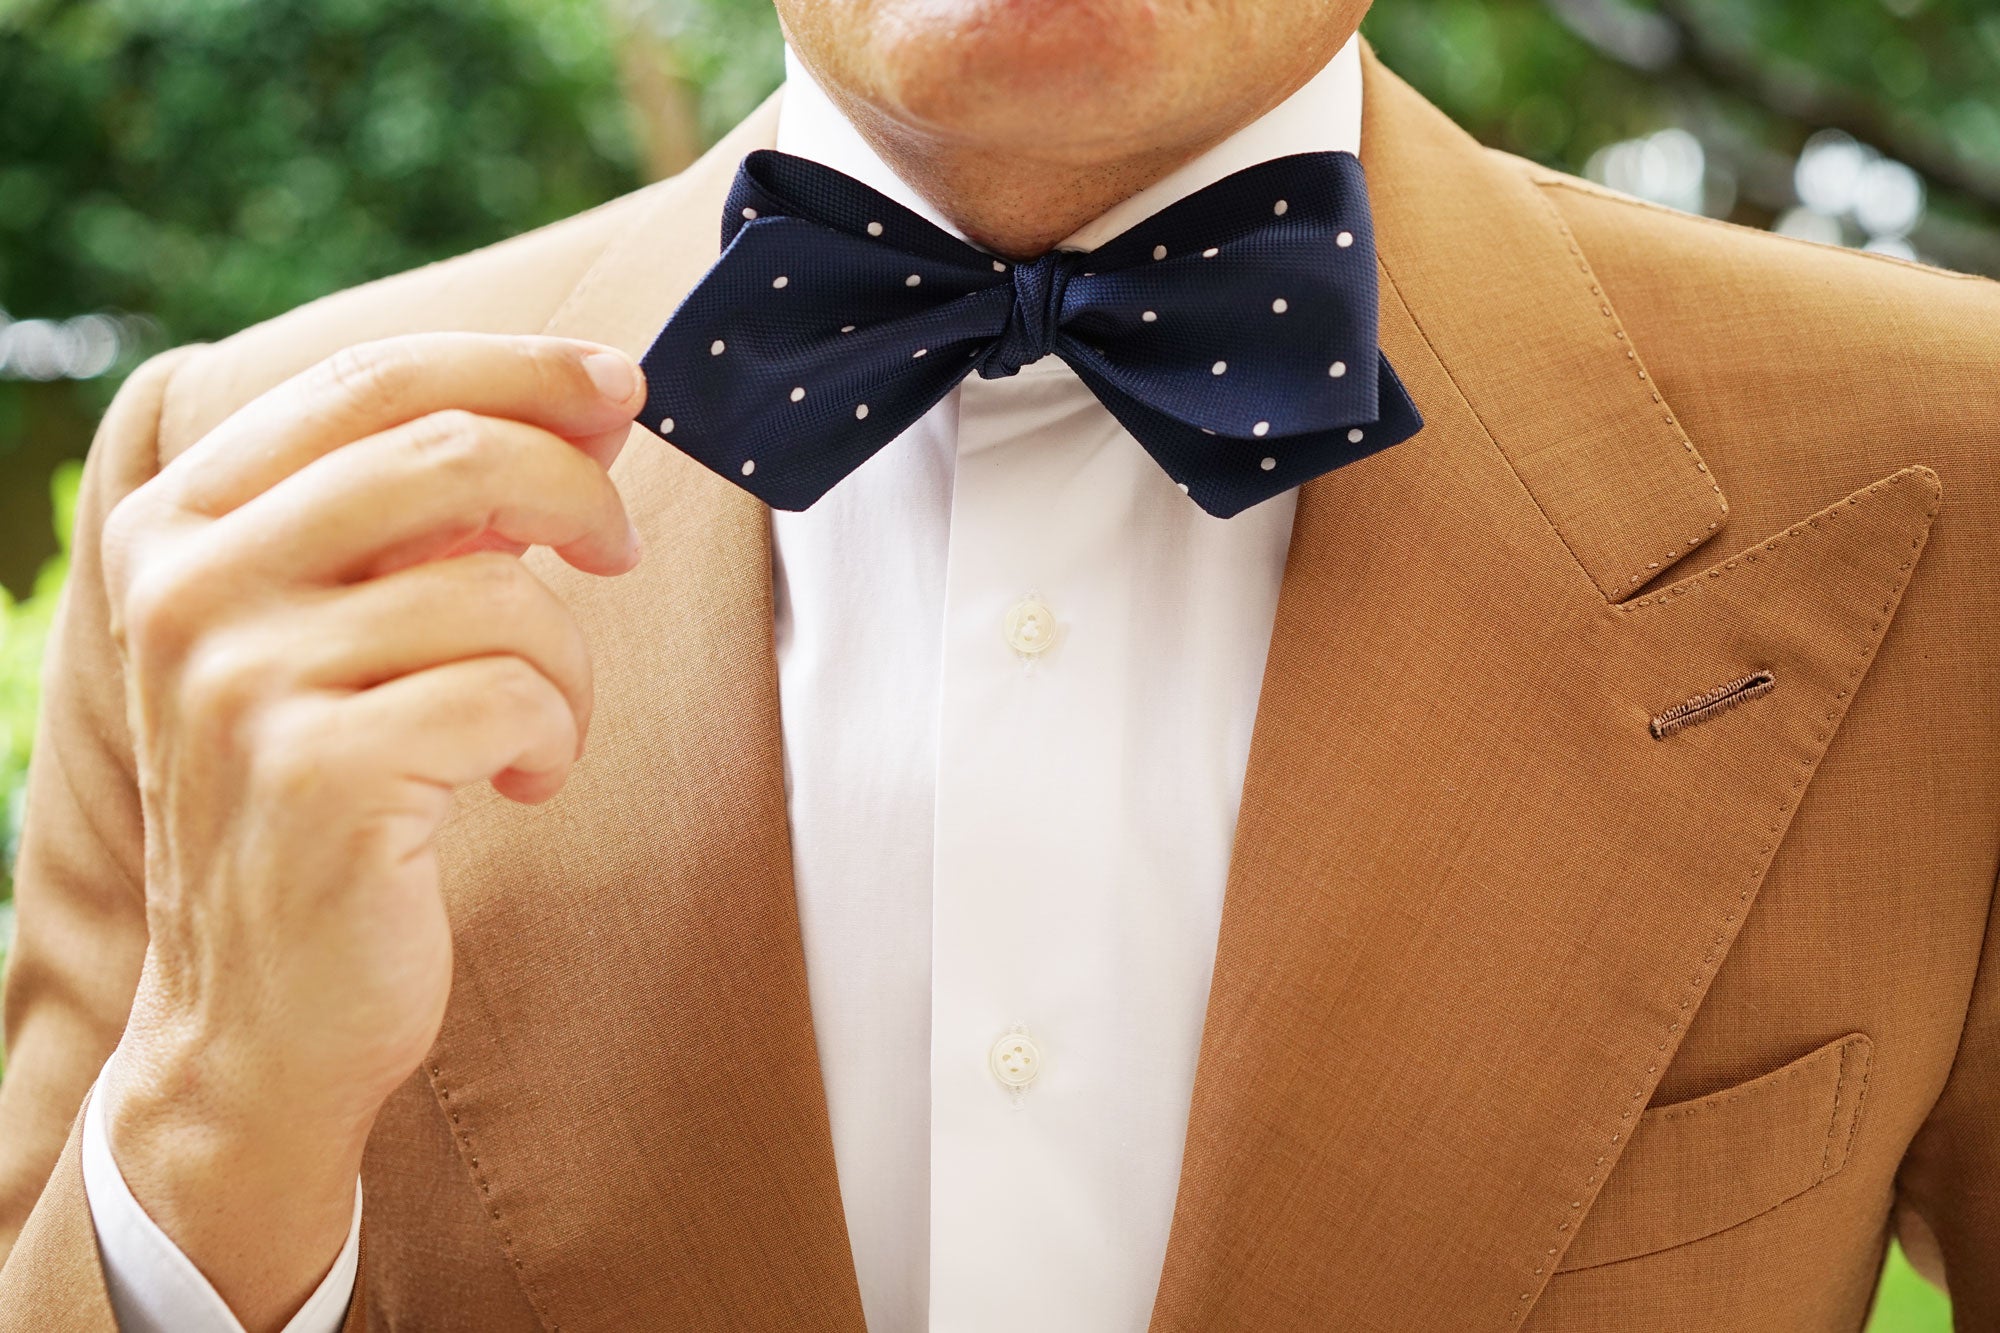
1591	932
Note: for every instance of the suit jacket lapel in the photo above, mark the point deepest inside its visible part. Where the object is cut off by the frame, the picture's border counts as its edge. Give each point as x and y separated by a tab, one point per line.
1474	903
628	1062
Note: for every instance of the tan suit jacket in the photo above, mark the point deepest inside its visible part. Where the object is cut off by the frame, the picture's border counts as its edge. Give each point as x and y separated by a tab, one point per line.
1521	1017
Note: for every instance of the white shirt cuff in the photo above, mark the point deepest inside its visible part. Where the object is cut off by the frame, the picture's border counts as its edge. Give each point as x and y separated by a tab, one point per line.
154	1287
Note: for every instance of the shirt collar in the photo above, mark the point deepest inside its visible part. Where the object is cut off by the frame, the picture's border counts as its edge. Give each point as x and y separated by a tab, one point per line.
1324	115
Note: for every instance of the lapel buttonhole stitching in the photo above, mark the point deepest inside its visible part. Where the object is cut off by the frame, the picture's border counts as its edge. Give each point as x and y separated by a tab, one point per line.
1710	702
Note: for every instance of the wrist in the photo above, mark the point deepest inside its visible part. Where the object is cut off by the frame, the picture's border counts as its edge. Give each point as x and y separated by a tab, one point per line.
188	1103
260	1200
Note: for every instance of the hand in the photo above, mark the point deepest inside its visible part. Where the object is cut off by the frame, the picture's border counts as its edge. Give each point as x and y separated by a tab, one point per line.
325	631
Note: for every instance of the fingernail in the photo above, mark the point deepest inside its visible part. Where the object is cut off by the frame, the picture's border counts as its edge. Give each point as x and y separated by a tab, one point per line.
614	375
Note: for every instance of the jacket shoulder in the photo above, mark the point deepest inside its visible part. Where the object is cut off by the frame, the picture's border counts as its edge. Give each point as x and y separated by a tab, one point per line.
1777	351
511	286
1715	271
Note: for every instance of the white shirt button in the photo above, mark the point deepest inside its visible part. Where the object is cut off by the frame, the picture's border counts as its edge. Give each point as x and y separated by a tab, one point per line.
1030	627
1016	1060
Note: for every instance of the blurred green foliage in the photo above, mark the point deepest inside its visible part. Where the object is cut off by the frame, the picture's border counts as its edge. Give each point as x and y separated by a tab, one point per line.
211	162
204	164
1753	80
730	52
24	628
1906	1303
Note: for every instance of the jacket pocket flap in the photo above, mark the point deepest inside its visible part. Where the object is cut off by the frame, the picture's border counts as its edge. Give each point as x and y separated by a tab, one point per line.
1698	1167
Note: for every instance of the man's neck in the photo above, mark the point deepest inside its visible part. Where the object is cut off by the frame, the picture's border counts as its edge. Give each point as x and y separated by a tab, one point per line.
1020	206
1017	204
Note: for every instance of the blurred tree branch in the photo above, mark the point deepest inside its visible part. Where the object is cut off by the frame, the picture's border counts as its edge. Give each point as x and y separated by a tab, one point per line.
1668	43
665	110
1799	95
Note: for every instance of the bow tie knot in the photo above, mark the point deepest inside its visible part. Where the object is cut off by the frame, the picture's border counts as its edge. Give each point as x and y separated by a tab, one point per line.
1030	334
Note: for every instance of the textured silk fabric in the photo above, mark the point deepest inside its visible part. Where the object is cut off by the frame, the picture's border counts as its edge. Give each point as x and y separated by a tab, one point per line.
981	841
1231	333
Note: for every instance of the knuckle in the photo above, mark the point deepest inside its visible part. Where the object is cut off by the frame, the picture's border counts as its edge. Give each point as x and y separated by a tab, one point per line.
124	523
504	588
296	754
558	372
371	376
529	698
120	542
520	687
496	581
160	609
510	590
576	653
226	676
456	443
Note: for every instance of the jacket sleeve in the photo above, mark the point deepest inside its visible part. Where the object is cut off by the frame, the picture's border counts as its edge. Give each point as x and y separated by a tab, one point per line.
80	925
1948	1191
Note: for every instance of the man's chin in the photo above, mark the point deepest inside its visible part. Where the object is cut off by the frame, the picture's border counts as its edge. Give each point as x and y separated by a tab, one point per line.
1060	75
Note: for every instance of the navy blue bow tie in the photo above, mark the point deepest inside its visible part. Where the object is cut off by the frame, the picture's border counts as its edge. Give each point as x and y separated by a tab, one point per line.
1233	334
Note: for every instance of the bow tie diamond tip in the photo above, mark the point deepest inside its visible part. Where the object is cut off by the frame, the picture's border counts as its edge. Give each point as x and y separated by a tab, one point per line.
1232	334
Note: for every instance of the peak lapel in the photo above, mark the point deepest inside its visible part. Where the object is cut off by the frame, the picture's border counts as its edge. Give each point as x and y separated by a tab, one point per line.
1474	903
627	1062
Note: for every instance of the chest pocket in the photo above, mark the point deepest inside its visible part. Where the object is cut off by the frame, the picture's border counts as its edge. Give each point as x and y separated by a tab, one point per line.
1698	1167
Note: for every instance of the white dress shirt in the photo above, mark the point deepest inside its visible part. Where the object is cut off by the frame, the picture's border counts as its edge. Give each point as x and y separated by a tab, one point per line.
1018	670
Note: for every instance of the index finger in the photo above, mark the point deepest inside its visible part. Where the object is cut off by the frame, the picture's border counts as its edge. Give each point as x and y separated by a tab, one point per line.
579	390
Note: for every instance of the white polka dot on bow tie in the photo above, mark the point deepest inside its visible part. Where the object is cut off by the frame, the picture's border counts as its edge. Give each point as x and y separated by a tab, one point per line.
999	267
913	279
1159	252
921	351
1149	316
1210	253
861	411
874	229
1280	207
749	215
716	348
1268	464
1344	240
666	425
1337	369
1184	489
1280	306
1218	368
781	281
847	328
1354	436
1262	428
798	394
749	466
1206	431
